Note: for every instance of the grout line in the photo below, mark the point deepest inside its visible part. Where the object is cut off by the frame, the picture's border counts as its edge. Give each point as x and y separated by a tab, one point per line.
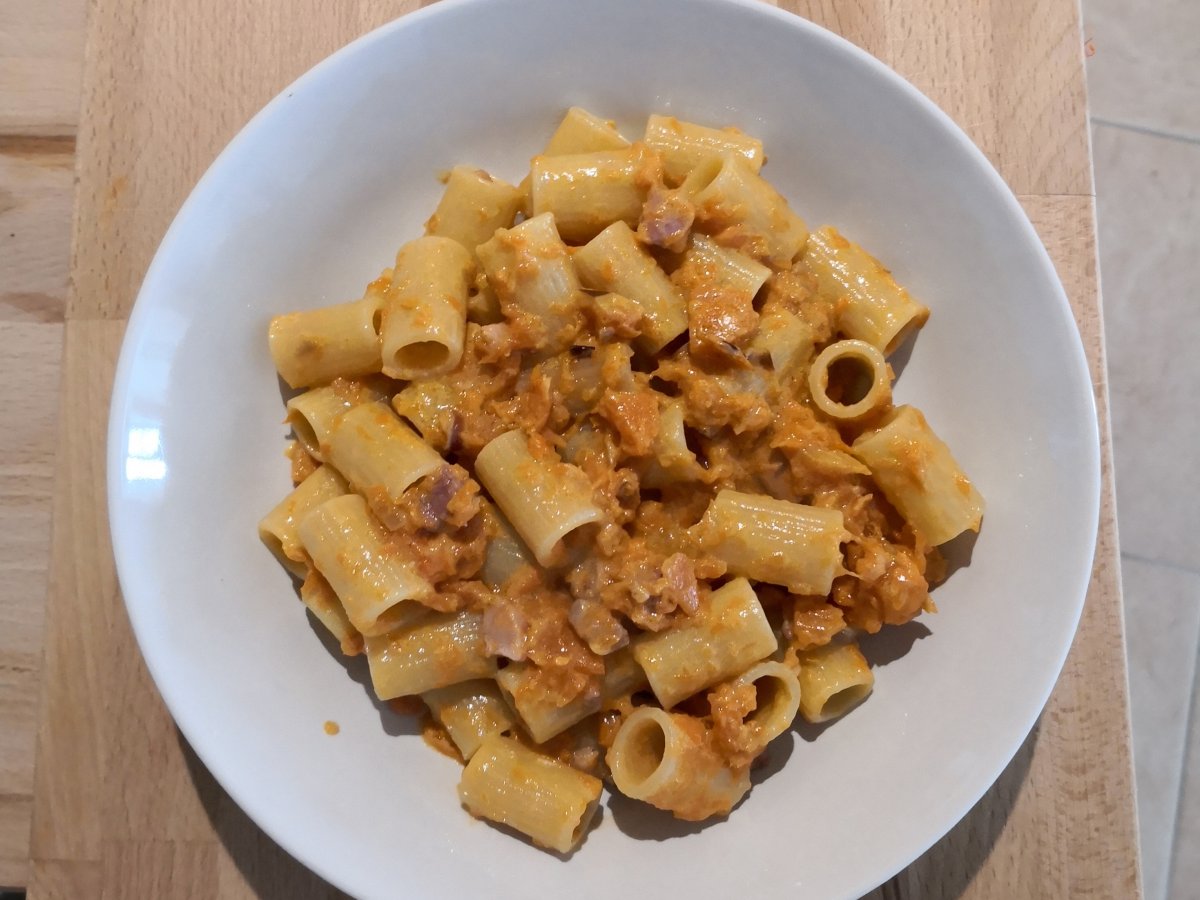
1163	563
1189	722
1147	130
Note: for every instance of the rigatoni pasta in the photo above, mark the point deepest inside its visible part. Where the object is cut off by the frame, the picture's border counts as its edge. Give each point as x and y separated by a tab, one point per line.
581	131
614	262
473	207
720	285
540	797
872	307
775	690
585	192
471	712
313	413
380	456
544	717
439	649
784	338
727	635
529	268
319	345
864	389
279	529
776	541
544	498
425	308
670	761
833	678
746	212
685	145
327	609
378	585
919	476
605	474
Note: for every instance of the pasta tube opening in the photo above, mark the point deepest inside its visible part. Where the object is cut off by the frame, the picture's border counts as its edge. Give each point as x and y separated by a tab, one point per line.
324	604
312	414
849	379
776	699
833	680
753	709
305	431
704	174
844	701
275	544
668	760
425	313
423	355
279	529
641	746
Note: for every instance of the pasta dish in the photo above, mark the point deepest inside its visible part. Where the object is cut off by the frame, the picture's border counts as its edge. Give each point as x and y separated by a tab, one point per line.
604	476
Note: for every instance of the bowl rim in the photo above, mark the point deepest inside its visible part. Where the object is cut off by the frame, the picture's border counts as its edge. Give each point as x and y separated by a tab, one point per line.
174	691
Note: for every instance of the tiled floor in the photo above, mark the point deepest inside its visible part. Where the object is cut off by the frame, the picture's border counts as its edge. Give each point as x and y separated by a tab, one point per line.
1144	82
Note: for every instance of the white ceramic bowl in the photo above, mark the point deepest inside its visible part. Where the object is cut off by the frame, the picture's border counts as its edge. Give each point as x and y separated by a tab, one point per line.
312	199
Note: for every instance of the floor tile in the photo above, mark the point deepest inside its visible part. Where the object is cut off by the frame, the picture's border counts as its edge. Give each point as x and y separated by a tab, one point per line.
1162	620
1185	870
1148	207
1146	69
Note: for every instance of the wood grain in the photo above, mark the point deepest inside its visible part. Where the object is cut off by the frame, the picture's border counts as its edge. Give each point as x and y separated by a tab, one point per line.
154	66
27	421
82	611
58	879
37	180
40	66
122	808
40	62
1010	74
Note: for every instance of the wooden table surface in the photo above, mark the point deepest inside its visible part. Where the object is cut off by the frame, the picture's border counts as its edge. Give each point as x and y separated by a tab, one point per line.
99	796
